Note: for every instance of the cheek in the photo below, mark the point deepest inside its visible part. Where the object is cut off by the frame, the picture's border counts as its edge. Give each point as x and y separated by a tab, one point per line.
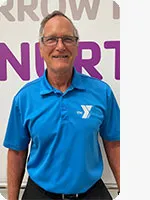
45	53
75	52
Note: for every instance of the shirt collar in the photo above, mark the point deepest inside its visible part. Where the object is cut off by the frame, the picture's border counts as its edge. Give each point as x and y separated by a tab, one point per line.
46	87
77	81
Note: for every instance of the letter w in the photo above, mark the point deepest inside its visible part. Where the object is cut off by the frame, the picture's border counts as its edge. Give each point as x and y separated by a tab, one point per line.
91	12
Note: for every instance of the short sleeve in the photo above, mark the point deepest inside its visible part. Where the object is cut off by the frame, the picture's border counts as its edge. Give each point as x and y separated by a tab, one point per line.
17	136
110	128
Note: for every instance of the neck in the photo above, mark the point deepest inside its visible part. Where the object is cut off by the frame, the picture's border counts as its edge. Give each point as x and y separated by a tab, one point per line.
60	80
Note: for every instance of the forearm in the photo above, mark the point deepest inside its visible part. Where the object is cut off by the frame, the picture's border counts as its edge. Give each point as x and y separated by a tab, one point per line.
113	154
15	172
115	167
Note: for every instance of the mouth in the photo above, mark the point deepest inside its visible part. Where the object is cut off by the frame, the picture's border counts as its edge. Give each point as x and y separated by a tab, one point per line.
60	57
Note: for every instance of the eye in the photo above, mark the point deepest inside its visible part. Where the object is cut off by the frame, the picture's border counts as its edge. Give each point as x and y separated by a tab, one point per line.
68	39
50	39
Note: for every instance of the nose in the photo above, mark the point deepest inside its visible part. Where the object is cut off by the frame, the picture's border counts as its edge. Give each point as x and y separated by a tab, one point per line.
60	45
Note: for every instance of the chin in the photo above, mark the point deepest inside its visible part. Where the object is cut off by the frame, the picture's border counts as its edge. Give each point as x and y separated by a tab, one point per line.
62	68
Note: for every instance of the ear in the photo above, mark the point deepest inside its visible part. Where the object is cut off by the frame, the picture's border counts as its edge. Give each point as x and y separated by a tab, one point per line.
40	49
77	51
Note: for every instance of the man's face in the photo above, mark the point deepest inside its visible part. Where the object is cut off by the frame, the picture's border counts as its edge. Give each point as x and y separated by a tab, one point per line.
58	57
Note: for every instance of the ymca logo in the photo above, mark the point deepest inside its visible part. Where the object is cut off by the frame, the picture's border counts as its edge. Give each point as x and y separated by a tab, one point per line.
86	109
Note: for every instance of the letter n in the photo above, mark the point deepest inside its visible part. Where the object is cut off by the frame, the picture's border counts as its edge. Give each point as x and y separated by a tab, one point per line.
23	69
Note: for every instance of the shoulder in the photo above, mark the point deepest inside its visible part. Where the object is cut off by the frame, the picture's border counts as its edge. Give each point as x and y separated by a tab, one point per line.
94	83
29	88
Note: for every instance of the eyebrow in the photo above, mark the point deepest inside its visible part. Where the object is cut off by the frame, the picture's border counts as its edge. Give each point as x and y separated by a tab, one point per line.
58	36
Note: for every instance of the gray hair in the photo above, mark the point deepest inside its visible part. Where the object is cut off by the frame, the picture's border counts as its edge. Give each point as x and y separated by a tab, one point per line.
51	15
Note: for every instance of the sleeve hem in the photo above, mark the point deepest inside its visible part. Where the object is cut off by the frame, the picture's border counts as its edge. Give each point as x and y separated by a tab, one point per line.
13	147
111	139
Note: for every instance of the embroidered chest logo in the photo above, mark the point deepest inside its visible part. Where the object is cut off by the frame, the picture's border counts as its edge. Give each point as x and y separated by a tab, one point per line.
86	111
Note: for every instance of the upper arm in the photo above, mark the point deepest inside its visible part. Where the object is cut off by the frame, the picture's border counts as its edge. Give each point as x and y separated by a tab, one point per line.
17	135
110	127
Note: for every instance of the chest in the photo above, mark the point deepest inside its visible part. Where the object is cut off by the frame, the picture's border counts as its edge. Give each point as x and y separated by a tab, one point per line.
57	114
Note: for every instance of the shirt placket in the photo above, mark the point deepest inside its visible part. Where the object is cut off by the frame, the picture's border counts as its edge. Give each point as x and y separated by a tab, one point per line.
63	109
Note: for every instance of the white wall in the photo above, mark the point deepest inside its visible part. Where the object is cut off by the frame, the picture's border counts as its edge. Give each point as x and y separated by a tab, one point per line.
20	24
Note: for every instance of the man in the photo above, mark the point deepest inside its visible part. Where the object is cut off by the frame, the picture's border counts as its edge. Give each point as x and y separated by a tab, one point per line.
61	113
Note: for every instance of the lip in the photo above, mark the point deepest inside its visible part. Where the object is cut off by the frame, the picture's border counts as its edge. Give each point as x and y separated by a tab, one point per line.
60	56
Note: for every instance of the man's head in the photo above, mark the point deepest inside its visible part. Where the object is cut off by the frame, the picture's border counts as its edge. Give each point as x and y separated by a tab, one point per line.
58	41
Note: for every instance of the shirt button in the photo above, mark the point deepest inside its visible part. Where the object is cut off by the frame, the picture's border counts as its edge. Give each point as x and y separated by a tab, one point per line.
63	107
59	94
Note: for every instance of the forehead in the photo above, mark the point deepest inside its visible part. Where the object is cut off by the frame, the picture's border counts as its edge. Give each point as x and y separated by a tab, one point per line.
58	25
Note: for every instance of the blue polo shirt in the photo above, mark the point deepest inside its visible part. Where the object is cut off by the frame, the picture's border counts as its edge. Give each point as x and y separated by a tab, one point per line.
63	129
